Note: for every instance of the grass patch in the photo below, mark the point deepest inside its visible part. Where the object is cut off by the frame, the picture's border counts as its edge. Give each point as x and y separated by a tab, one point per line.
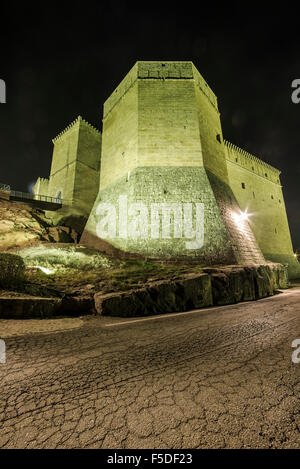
77	268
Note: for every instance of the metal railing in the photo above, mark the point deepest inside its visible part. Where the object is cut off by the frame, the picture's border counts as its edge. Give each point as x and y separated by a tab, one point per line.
29	196
43	198
4	187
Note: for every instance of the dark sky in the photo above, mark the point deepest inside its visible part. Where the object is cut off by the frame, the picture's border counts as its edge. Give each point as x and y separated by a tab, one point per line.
59	62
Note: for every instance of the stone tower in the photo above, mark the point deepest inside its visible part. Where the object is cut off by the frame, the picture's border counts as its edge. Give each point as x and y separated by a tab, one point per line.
164	177
74	175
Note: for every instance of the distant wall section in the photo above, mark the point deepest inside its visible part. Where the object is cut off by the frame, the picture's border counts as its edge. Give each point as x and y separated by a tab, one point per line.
257	188
41	186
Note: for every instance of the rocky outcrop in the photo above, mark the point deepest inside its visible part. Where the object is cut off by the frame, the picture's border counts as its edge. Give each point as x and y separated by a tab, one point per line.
25	307
216	286
234	283
22	225
191	292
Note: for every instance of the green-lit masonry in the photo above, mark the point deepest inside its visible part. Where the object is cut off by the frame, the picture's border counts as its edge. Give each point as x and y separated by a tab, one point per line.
162	143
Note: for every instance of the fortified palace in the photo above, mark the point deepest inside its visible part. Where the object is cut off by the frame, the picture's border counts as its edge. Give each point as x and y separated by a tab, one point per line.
161	182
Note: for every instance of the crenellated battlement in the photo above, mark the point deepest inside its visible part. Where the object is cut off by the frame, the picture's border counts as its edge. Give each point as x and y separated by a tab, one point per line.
77	122
252	163
43	179
161	70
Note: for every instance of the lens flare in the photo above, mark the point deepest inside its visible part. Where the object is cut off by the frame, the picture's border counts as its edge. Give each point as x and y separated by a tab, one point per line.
241	217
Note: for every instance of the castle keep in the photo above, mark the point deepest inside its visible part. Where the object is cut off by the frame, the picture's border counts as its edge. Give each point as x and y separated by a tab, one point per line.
74	176
164	162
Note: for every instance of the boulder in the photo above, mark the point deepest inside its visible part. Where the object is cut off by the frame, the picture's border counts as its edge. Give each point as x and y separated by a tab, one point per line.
76	305
62	234
191	292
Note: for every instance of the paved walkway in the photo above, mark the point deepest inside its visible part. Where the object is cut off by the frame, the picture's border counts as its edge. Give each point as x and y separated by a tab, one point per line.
217	378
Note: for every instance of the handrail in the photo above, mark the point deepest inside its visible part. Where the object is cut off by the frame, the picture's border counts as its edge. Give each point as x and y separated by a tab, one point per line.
4	187
43	198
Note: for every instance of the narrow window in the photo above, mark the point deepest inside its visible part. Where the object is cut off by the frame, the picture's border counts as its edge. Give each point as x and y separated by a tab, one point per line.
272	197
243	185
266	175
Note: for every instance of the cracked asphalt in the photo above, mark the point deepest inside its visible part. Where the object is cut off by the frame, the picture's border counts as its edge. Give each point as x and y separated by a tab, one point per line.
215	378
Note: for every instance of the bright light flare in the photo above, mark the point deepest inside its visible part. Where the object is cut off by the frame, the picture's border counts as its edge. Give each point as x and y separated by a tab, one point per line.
241	217
244	216
43	269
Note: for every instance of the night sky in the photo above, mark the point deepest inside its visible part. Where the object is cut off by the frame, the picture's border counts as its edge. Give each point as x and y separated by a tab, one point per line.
61	62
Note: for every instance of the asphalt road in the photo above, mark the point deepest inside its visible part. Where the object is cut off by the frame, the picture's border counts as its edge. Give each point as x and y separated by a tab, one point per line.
215	378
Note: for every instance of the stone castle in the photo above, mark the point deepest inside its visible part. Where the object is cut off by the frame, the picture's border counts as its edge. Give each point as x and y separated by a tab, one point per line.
162	146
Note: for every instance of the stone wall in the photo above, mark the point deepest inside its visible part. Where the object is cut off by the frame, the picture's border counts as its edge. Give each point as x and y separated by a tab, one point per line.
151	185
168	127
162	138
256	186
41	186
120	138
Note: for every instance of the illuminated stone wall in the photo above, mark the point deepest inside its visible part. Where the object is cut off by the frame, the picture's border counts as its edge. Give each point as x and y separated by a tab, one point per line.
162	143
257	188
75	169
151	185
41	186
120	137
